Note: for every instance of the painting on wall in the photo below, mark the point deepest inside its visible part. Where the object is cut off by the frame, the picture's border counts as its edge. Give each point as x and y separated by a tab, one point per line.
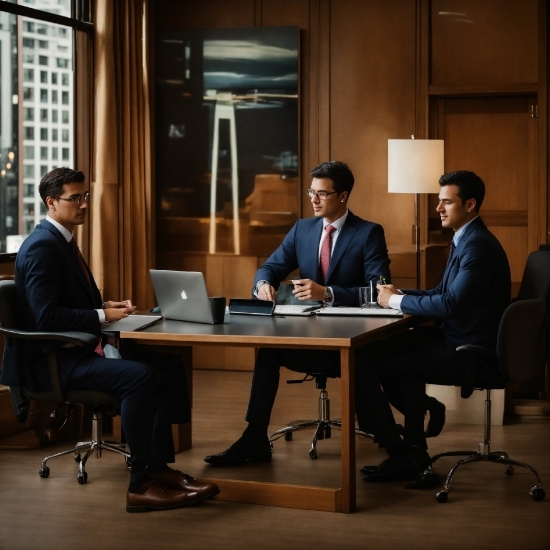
227	115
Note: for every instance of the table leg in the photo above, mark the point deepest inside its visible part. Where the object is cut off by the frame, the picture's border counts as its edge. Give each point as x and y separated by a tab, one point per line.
347	364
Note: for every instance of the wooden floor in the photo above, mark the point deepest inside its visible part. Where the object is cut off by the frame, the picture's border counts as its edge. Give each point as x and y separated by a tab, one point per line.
486	508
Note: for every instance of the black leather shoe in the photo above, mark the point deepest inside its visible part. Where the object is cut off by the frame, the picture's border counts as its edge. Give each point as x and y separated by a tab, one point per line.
437	417
370	469
401	467
244	450
429	479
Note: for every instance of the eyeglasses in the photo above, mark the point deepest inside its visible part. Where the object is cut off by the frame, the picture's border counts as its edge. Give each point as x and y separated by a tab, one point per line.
77	198
321	195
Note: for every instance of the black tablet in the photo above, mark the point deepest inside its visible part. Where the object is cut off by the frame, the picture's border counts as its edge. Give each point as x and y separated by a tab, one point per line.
251	307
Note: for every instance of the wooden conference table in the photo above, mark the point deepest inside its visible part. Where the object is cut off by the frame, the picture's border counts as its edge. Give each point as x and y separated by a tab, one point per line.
341	333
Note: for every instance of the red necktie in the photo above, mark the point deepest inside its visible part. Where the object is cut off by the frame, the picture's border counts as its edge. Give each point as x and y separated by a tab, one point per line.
326	247
81	261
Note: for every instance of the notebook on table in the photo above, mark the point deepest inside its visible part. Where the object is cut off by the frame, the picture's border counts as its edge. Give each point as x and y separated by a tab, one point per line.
182	295
360	312
297	310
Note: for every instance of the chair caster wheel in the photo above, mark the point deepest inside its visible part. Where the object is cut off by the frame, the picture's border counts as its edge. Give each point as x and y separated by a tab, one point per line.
82	478
45	472
77	458
537	493
510	470
313	454
288	436
442	496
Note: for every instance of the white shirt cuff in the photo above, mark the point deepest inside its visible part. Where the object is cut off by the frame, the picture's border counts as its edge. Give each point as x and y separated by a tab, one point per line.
101	315
395	301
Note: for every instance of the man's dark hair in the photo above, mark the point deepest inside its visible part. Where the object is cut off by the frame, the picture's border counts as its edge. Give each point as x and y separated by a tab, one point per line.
470	185
338	172
51	185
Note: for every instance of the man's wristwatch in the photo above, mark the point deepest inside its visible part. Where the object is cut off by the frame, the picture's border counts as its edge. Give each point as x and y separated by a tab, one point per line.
328	295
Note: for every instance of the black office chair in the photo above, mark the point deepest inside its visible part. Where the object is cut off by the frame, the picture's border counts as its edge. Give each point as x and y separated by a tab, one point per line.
521	352
322	426
100	402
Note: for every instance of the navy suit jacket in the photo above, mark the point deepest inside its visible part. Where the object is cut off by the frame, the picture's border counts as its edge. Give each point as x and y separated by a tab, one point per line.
52	295
473	294
360	255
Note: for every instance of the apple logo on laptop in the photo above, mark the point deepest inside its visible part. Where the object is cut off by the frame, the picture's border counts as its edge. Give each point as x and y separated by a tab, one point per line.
184	295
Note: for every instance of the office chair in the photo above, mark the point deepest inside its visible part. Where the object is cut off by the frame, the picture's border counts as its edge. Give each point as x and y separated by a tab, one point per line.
100	402
322	426
521	352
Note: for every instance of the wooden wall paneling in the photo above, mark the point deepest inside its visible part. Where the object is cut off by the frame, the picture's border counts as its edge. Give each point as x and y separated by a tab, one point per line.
372	93
543	110
490	42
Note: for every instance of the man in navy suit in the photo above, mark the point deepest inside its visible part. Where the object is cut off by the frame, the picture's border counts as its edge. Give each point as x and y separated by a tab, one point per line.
466	306
56	292
336	252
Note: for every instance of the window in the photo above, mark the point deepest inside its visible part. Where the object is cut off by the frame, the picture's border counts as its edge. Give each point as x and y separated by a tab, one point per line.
54	96
62	63
65	153
28	150
28	93
28	75
29	132
65	98
61	31
43	60
44	44
28	43
54	134
54	153
54	78
41	29
29	189
54	115
65	79
43	95
43	77
65	117
28	26
43	153
43	115
28	57
28	170
43	134
43	169
62	49
64	135
29	113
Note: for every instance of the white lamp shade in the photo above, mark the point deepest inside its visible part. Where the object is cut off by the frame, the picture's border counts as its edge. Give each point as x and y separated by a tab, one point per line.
415	165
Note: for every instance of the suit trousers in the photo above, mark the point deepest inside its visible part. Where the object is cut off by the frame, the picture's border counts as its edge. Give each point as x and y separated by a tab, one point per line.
152	390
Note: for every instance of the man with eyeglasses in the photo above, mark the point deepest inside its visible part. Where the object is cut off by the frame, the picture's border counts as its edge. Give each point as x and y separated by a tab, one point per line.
336	252
56	291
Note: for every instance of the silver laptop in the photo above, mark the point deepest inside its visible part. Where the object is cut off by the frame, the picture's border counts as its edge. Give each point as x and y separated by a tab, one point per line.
360	312
182	295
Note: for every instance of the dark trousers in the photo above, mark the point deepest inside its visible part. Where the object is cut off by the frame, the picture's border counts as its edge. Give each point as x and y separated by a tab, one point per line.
153	394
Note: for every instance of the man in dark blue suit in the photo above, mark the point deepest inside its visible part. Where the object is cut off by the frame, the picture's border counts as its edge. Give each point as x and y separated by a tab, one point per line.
56	292
466	306
335	252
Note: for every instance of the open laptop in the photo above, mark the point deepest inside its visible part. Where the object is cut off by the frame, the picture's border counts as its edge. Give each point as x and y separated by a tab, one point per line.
182	295
360	312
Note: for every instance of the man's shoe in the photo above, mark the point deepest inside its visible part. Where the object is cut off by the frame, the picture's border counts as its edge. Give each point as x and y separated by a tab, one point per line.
174	479
401	467
245	449
437	417
370	469
154	496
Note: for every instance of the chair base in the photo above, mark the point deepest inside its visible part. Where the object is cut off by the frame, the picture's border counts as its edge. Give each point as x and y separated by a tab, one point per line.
498	457
87	448
322	431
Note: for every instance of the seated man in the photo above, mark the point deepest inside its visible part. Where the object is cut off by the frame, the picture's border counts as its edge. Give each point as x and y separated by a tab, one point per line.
336	252
57	292
466	306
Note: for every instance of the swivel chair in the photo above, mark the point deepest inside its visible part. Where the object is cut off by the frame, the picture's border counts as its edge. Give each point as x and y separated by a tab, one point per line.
100	402
322	426
521	352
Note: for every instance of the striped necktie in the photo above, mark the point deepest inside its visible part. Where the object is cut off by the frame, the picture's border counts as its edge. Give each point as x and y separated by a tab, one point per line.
326	248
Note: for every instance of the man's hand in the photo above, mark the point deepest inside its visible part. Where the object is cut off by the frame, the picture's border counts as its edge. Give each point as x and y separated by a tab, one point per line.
266	292
306	289
384	294
114	311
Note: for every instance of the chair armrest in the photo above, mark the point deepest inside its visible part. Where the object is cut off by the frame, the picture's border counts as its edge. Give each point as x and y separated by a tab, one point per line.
83	339
479	350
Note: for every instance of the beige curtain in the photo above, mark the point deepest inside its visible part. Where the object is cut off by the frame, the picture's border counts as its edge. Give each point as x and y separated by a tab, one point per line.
121	236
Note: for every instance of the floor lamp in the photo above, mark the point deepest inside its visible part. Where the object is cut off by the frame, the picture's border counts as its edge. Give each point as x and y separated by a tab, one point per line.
415	166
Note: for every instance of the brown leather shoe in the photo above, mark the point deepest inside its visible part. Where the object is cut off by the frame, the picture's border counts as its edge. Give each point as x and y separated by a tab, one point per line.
154	496
174	479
